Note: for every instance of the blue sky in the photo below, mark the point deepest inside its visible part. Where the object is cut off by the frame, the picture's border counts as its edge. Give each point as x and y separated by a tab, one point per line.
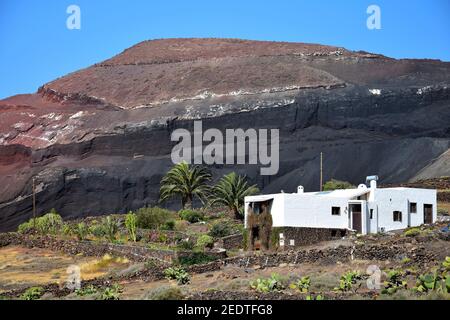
36	47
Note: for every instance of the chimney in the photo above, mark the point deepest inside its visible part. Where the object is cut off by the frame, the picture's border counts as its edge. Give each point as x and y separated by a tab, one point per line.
373	181
300	189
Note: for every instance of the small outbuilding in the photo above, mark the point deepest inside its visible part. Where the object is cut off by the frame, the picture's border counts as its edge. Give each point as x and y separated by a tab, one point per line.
307	217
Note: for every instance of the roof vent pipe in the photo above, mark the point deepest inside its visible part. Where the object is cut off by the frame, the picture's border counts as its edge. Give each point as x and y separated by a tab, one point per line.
300	189
373	181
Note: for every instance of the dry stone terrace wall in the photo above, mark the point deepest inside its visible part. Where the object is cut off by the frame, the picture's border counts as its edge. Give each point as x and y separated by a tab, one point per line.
418	255
231	242
88	248
251	295
305	236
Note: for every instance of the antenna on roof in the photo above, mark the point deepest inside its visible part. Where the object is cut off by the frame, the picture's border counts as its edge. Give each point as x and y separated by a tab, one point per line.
321	171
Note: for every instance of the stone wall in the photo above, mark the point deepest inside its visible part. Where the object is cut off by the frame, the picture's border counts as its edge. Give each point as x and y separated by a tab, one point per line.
231	242
295	237
88	248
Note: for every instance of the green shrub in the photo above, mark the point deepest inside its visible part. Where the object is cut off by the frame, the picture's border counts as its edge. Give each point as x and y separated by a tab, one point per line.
152	218
348	280
406	260
267	285
220	229
90	290
205	241
162	237
97	229
165	293
186	245
67	229
191	215
49	223
26	226
131	225
111	293
394	282
446	264
169	225
433	282
301	284
334	184
442	212
195	258
181	225
412	232
110	226
179	274
81	231
32	293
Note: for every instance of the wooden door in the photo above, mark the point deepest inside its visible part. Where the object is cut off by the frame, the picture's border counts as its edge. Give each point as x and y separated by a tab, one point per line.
428	213
357	222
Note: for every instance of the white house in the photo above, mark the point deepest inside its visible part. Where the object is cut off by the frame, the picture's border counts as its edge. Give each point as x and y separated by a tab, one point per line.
364	209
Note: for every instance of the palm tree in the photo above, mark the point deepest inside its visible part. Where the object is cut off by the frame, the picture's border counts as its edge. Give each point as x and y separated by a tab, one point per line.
185	181
230	191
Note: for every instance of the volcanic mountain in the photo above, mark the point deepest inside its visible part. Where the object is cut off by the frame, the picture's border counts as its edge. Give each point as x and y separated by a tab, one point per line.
97	141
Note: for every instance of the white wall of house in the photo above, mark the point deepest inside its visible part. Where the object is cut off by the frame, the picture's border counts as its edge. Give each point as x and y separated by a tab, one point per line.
388	200
314	211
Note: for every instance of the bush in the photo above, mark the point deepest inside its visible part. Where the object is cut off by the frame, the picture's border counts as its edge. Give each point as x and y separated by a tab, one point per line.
67	229
334	184
50	223
348	280
164	293
191	215
394	282
186	245
169	225
131	225
111	293
81	231
110	226
97	230
32	293
301	284
152	218
267	285
205	241
412	232
442	212
26	226
181	225
90	290
220	229
178	274
195	258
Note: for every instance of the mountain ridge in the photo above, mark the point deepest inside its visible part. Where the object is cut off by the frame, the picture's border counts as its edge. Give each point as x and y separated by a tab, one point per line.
98	139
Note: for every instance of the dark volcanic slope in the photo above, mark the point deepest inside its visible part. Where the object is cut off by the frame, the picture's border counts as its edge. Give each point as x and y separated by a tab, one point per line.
98	139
